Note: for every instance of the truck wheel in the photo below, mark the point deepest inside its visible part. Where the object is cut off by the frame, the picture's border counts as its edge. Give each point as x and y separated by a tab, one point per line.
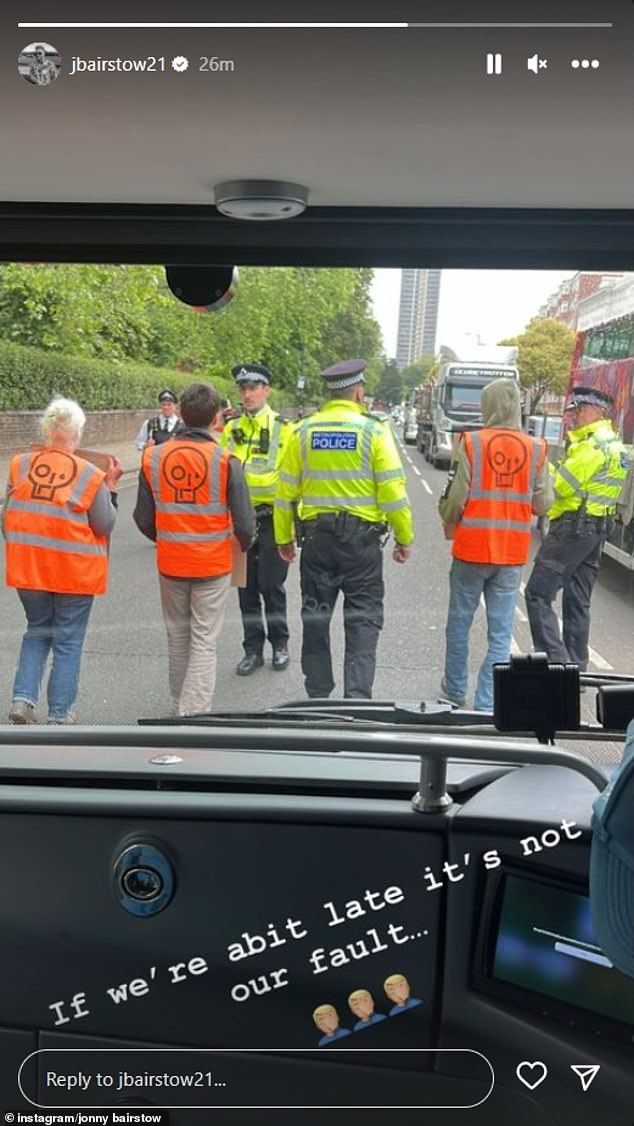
437	459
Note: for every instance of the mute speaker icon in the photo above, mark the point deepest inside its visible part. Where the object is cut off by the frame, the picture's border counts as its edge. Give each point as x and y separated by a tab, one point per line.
536	64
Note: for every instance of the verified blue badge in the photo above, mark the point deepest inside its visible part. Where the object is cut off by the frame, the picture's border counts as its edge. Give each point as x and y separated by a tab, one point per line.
333	440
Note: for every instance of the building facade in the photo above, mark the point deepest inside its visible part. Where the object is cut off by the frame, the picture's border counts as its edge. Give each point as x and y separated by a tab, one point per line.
418	315
563	305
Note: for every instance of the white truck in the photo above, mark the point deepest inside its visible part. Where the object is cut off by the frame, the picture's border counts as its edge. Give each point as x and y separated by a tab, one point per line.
451	402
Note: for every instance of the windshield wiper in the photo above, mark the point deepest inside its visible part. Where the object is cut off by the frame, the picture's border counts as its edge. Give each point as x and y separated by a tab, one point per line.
435	716
381	713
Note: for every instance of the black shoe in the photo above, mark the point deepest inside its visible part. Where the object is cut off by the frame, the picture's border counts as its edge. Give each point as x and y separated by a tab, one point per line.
280	659
249	663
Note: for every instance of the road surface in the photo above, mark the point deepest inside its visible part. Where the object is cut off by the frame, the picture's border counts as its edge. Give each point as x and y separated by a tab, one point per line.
124	673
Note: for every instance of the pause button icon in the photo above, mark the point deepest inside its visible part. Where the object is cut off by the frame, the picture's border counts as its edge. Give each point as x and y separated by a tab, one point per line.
494	63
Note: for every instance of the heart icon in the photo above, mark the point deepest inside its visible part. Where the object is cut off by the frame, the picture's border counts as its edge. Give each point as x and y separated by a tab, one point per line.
531	1074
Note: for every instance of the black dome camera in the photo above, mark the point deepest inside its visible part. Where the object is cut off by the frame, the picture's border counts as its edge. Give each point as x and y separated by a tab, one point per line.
205	288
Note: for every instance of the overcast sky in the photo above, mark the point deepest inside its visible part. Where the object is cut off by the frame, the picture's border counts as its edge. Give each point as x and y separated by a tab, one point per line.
492	303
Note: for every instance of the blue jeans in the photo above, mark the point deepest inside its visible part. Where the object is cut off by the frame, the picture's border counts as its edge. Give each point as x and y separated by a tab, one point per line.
499	585
57	622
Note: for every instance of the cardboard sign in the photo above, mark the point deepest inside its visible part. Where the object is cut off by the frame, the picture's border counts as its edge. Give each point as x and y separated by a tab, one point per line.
95	457
238	564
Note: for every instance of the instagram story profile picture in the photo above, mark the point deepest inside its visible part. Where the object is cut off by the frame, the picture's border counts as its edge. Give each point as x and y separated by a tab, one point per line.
40	64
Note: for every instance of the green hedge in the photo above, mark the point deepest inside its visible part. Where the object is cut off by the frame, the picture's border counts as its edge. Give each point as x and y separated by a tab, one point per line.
30	377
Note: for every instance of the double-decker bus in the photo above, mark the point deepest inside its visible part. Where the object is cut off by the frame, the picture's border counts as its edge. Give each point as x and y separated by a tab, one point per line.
604	358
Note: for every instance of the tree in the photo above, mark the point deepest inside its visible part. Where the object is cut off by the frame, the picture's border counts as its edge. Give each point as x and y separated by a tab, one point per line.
390	388
418	372
544	356
296	321
84	310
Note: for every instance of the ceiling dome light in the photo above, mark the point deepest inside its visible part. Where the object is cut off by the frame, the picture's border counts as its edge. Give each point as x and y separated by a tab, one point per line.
260	200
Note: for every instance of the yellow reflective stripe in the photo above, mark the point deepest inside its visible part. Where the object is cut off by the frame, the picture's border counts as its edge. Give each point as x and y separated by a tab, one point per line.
51	542
612	482
601	498
48	510
191	509
537	450
87	473
192	537
570	478
23	468
261	491
509	525
253	470
337	475
154	471
337	501
389	475
500	495
394	505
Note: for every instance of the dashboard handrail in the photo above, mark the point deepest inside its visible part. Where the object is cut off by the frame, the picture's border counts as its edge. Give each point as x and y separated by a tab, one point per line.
433	750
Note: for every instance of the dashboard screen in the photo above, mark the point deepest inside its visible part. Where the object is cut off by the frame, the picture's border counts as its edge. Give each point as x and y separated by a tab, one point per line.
545	943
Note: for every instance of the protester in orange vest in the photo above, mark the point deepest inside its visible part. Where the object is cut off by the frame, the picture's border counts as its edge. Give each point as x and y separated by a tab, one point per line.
57	517
192	495
498	480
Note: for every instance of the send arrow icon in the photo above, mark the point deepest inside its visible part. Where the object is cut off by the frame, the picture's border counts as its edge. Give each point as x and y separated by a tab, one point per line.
586	1072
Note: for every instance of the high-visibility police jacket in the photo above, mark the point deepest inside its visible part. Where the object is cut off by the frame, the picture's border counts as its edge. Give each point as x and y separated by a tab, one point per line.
496	522
592	470
193	523
50	544
260	453
340	459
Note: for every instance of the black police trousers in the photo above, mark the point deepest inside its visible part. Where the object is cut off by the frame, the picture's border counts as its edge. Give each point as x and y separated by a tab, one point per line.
266	575
350	561
568	560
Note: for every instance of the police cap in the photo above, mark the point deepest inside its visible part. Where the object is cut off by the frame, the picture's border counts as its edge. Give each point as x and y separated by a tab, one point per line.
345	374
251	373
167	396
589	397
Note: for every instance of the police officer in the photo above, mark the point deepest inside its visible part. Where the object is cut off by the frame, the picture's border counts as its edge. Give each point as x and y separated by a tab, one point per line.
343	468
158	429
257	438
587	483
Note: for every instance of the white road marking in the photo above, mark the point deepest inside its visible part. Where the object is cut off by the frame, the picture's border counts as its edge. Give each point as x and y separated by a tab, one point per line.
521	615
515	649
416	470
598	661
426	486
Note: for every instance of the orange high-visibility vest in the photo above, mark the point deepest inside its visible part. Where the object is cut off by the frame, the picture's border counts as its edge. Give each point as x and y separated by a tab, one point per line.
50	544
496	522
193	524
